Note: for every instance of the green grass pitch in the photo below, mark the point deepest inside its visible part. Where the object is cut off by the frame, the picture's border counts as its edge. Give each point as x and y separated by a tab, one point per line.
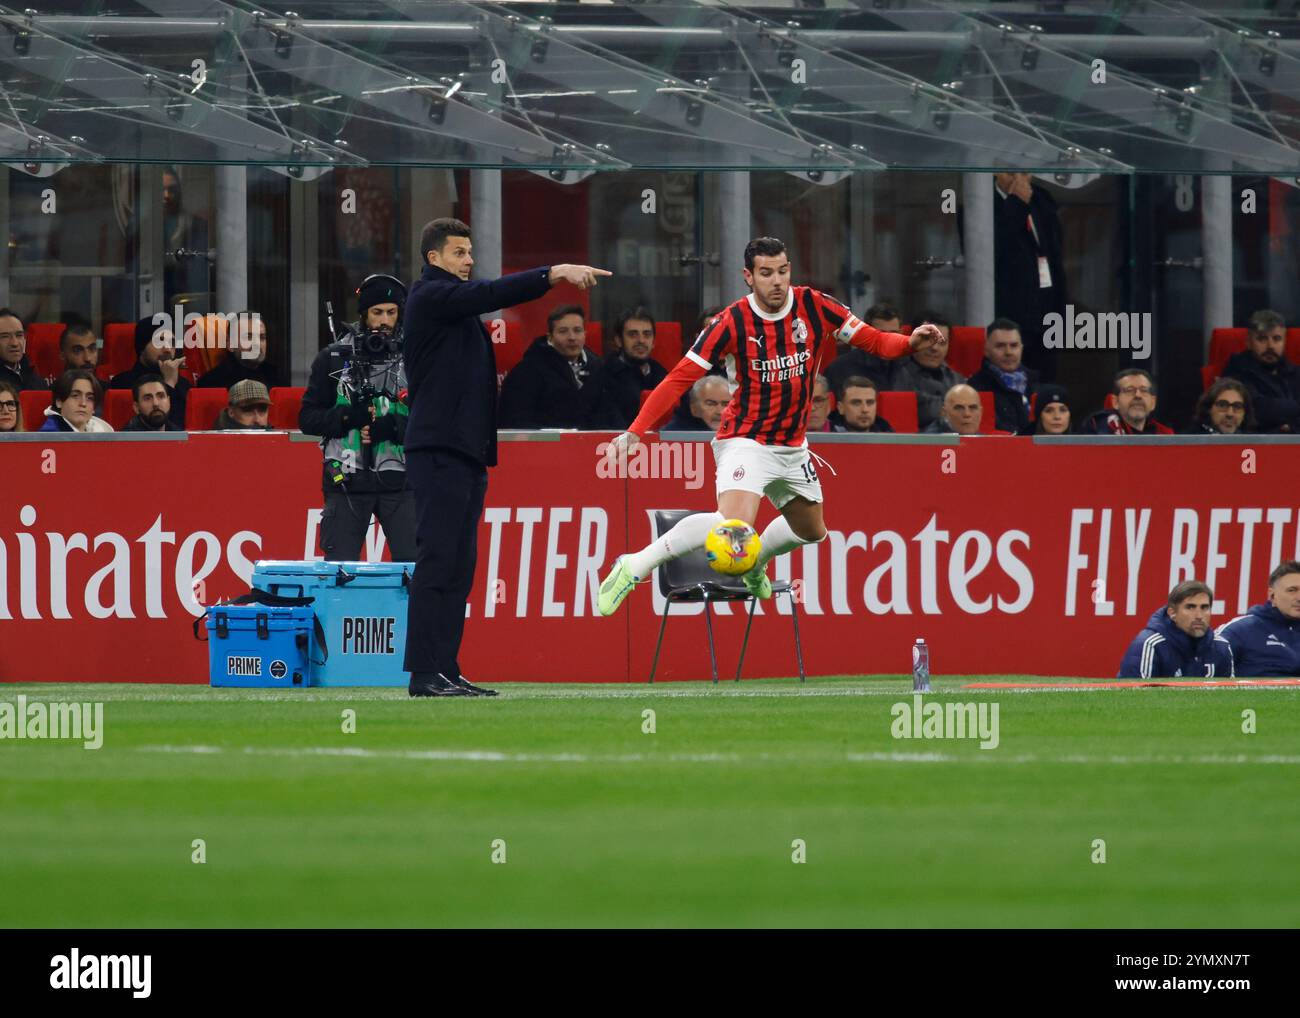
602	824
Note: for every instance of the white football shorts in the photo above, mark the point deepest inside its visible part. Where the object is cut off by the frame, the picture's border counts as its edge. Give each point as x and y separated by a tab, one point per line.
778	471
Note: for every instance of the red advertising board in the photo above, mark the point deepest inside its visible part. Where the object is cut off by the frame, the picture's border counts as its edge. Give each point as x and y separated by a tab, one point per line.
1006	555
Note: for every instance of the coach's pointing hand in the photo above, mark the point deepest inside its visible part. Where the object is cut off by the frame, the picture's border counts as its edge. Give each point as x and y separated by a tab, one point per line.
582	276
925	336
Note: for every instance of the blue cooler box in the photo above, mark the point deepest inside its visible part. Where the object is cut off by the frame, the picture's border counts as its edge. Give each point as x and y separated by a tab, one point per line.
362	608
258	645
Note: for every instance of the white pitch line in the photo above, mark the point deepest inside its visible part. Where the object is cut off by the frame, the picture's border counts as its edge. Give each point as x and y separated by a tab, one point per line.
992	756
469	755
497	756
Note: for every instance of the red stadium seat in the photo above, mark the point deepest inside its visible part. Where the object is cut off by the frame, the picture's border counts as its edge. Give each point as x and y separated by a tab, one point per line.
668	343
966	349
43	347
118	408
119	348
286	402
1293	345
1209	375
989	414
34	404
202	407
595	336
899	409
1224	343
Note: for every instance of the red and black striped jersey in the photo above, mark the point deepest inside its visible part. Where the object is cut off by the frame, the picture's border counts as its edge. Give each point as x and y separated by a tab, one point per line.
777	357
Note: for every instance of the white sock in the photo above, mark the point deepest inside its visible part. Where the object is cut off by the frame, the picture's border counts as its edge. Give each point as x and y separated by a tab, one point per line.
777	539
686	536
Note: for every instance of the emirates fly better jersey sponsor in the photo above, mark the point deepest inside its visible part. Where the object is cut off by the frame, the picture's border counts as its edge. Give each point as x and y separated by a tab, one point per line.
776	359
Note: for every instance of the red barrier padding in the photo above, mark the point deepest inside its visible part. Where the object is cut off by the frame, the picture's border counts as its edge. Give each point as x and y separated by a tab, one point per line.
923	542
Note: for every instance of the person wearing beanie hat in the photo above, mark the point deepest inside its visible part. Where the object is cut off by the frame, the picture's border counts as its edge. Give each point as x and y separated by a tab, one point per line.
1049	412
364	470
156	353
386	294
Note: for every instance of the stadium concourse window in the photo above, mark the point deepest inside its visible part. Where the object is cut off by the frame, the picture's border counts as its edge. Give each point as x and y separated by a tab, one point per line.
67	244
644	226
370	220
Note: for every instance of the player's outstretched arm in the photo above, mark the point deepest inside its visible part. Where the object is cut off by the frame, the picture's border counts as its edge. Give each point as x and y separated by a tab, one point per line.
889	345
661	400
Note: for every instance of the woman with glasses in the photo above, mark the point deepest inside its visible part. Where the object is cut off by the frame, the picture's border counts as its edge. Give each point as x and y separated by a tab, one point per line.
76	394
11	408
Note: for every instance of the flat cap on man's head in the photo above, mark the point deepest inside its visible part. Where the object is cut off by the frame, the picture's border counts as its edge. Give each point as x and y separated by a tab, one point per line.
249	392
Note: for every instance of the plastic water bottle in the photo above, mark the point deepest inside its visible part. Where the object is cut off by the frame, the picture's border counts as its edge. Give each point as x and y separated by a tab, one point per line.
920	667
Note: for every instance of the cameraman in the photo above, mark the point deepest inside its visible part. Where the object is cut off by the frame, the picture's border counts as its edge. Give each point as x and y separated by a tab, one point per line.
356	402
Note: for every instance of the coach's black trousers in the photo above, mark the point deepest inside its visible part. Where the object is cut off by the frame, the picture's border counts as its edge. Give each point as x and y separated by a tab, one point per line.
449	492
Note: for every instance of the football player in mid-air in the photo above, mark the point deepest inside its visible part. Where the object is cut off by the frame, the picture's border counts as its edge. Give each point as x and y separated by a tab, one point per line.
777	335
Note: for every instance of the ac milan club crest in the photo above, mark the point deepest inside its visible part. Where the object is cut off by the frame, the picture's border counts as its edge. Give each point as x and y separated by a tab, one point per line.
800	331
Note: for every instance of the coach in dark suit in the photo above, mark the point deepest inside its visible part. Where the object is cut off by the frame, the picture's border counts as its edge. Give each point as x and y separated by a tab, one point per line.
451	437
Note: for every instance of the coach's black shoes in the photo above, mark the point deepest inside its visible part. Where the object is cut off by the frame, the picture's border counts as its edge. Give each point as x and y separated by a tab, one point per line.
464	683
436	684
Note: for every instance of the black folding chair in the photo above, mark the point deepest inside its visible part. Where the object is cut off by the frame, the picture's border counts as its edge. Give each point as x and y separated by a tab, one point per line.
691	578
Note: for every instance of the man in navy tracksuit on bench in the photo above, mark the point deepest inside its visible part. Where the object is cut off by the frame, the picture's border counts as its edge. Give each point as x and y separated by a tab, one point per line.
1178	641
1266	640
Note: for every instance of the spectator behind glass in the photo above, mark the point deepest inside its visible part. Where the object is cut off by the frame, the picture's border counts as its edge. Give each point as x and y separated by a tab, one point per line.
79	347
559	383
850	360
1273	381
819	410
858	406
1051	412
630	370
1224	409
76	395
925	373
1135	407
157	355
152	406
14	365
1029	269
961	412
1002	373
245	356
11	407
709	397
248	408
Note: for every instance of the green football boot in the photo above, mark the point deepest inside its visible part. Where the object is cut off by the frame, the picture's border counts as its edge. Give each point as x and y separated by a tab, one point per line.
758	583
615	587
